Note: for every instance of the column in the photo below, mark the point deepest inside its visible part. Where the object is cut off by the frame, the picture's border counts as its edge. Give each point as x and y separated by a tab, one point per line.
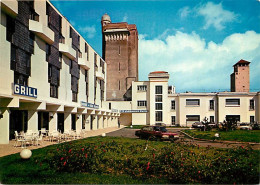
33	120
78	121
67	121
4	125
53	121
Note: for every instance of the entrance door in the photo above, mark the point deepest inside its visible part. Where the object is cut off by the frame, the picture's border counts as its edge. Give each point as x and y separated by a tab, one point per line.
18	122
43	120
61	122
233	118
73	121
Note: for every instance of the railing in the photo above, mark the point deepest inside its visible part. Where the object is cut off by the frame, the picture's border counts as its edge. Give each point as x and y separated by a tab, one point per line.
251	107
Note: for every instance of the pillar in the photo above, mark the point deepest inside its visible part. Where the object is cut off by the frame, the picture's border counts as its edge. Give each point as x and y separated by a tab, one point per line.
67	121
4	125
53	121
33	120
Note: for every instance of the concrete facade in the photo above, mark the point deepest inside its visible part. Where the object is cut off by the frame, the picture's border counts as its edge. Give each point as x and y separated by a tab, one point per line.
187	107
60	89
120	51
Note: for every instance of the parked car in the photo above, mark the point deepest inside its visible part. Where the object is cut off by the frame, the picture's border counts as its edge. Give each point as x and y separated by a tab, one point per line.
244	126
156	133
197	125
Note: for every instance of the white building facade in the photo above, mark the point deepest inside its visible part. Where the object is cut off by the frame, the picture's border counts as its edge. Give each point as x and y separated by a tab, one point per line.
155	102
50	77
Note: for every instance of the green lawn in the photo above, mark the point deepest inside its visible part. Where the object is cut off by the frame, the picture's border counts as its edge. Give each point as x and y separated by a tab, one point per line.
236	135
114	160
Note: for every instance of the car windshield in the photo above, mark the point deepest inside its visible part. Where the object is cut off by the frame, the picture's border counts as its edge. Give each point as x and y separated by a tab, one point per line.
163	129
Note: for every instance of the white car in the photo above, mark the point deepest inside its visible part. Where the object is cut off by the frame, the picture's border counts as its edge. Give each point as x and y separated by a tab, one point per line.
244	126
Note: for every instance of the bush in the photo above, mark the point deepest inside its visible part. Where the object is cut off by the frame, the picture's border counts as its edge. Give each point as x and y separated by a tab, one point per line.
175	162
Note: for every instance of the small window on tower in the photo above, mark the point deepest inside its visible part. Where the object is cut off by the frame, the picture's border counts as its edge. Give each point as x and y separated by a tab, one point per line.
119	50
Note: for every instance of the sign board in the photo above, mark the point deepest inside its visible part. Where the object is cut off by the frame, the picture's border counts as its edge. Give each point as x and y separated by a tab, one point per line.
90	105
114	110
133	111
25	90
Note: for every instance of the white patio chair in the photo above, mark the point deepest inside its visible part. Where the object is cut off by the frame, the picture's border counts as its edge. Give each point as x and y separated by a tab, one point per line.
19	138
43	132
38	138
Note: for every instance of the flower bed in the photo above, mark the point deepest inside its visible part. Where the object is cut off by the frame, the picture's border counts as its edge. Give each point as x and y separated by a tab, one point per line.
175	162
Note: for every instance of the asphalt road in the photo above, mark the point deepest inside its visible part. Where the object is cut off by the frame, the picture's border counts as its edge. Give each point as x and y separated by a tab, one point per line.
130	133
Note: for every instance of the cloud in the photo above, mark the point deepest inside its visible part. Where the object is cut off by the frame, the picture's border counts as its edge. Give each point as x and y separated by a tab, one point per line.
197	65
215	15
88	31
125	18
184	12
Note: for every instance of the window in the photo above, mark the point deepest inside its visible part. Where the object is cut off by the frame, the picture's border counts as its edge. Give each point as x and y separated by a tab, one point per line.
158	106
79	54
211	104
83	121
211	119
109	105
119	50
173	120
252	105
119	66
13	57
192	118
158	115
31	42
192	102
118	84
71	32
49	73
48	51
10	28
142	88
53	91
74	96
20	79
233	118
61	39
158	89
60	57
252	119
95	60
158	98
102	90
173	104
232	102
86	80
86	50
141	103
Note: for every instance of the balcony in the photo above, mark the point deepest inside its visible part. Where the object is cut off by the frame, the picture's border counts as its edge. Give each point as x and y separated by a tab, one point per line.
10	7
100	75
68	51
41	31
84	63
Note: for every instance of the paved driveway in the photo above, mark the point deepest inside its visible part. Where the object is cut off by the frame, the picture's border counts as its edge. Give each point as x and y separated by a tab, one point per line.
130	133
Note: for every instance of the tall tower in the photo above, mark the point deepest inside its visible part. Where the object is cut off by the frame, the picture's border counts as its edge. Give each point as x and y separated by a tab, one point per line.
240	81
120	51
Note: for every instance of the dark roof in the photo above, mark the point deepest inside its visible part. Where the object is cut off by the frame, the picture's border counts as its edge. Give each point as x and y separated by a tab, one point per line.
242	62
158	72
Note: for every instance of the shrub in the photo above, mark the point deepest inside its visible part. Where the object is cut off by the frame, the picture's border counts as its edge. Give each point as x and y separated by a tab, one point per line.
176	162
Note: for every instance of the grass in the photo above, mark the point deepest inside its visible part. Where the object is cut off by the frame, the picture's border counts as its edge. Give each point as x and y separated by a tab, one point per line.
236	135
37	170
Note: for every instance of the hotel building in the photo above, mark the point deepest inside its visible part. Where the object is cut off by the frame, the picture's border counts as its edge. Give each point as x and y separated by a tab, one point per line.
50	77
155	102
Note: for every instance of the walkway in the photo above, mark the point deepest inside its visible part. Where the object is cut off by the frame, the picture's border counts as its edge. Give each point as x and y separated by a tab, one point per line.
8	149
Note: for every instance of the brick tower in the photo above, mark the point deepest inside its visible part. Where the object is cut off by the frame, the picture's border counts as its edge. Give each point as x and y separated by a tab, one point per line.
120	51
240	81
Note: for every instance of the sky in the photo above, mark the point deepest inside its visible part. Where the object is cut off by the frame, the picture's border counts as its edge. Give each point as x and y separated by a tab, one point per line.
197	42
